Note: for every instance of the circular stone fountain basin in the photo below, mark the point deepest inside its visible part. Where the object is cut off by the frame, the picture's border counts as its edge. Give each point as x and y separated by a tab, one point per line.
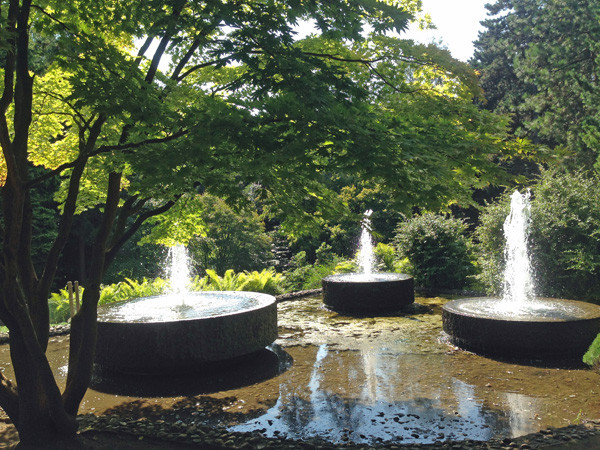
170	334
368	293
541	329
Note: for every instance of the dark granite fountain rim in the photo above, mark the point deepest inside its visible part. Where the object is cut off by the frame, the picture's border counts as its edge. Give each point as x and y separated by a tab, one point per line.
376	277
579	310
262	300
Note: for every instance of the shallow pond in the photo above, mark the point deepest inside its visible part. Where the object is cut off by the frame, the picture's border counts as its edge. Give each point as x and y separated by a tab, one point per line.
391	378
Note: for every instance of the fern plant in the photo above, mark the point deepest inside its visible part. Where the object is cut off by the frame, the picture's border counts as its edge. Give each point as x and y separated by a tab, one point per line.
58	304
267	281
230	281
200	283
128	289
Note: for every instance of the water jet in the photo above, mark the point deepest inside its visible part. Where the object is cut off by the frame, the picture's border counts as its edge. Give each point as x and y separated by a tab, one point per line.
519	324
367	292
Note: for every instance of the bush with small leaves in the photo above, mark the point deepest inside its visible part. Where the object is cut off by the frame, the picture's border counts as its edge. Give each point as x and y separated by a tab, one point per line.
566	235
438	250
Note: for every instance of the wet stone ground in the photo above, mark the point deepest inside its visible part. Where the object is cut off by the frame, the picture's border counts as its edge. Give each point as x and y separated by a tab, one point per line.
356	380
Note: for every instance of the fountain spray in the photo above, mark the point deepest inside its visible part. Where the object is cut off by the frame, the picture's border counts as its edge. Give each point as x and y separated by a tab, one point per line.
518	282
365	254
179	271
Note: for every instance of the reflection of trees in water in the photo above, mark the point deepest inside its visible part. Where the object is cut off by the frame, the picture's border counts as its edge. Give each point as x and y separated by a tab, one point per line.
365	396
359	395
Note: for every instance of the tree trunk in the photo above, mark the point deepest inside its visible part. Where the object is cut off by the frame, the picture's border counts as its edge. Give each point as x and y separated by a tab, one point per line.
42	419
81	256
84	324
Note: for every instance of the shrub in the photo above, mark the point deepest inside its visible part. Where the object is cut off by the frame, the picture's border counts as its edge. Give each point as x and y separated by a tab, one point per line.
325	254
317	273
346	266
489	245
297	272
438	250
566	235
385	257
231	240
303	275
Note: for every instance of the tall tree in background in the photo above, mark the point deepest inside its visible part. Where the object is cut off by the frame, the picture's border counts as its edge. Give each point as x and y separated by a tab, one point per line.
227	97
539	61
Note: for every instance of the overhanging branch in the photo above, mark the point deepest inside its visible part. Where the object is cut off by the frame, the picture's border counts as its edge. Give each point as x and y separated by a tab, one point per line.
120	241
105	149
54	19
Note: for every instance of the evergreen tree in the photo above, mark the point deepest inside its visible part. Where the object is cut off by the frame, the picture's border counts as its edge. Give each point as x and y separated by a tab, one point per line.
538	61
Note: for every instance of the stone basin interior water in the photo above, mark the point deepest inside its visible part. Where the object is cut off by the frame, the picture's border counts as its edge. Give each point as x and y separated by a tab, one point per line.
167	308
542	310
386	379
368	277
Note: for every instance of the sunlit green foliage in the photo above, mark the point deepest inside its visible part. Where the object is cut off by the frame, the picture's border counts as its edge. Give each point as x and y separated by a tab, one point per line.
232	239
132	289
267	281
438	249
566	235
60	309
303	275
592	356
489	245
385	257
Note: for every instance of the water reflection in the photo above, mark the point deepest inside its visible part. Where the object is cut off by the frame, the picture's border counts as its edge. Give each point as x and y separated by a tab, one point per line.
364	380
373	402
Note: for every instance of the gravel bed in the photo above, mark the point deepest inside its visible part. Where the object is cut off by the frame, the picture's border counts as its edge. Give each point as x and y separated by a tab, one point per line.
585	435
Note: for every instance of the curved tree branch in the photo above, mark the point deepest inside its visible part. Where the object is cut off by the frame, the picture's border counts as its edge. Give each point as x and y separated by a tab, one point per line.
54	19
162	46
120	240
188	55
391	85
193	69
106	149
